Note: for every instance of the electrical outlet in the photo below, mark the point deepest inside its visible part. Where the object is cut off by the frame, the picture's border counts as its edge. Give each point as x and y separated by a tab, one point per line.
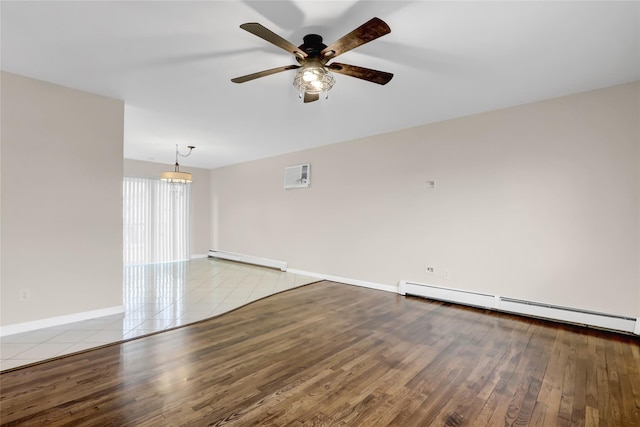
25	294
431	270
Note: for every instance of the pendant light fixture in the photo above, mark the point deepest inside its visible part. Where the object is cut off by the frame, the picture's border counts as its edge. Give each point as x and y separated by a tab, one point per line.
175	176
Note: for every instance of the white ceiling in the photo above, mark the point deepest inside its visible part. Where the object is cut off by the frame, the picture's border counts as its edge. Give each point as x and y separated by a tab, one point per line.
172	61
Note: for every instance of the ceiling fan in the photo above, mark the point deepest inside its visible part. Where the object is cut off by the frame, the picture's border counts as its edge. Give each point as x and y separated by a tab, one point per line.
313	76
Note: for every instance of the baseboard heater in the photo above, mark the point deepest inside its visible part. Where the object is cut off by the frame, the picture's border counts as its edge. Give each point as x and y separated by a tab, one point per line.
523	307
249	259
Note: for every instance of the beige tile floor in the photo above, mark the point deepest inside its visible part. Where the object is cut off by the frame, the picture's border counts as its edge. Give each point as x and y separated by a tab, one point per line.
156	297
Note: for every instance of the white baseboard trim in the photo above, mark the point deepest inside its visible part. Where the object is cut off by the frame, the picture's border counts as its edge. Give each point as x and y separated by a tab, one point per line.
306	273
346	280
248	259
18	328
637	328
199	256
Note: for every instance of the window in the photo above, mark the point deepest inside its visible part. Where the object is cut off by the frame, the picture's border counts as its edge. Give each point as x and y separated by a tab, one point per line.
155	221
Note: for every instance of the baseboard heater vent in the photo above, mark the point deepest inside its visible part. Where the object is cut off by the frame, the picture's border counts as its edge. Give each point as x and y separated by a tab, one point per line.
249	259
474	299
523	307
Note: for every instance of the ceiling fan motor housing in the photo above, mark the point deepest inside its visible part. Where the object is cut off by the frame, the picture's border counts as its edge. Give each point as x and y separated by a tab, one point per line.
312	45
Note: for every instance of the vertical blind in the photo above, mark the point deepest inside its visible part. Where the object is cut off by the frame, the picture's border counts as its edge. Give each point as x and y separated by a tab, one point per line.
155	221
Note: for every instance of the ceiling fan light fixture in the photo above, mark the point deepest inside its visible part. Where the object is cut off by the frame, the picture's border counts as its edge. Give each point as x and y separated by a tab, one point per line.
313	78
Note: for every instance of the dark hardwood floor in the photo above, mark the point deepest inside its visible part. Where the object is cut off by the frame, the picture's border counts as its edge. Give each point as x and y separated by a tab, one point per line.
332	354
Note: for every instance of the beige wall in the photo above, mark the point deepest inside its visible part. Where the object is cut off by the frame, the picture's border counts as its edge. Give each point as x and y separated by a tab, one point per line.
200	197
61	227
540	202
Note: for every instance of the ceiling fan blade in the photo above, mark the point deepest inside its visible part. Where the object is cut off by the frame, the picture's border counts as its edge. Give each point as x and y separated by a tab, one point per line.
264	73
366	32
375	76
310	97
268	35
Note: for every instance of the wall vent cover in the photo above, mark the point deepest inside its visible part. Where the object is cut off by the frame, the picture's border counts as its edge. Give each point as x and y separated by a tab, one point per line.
297	176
